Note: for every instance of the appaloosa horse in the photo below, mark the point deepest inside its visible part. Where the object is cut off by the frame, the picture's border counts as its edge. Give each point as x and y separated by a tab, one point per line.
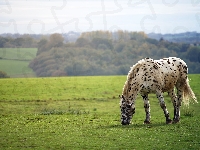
156	76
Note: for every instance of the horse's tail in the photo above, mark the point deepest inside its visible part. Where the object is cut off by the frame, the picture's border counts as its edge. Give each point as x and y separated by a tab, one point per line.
188	94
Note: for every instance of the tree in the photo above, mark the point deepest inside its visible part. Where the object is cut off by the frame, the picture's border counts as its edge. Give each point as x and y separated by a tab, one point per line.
55	40
82	42
151	41
184	47
3	41
42	46
193	54
3	74
161	39
97	41
119	46
18	42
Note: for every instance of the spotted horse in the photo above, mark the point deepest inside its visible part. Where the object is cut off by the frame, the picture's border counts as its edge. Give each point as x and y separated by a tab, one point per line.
156	76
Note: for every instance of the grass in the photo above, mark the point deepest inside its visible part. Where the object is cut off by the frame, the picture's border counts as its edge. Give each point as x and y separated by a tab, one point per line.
83	113
15	61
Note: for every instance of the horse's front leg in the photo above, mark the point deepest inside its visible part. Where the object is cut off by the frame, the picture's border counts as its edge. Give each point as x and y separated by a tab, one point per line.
163	106
147	109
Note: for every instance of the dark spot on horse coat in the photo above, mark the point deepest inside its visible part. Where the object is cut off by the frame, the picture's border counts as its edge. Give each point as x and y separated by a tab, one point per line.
155	81
155	66
158	63
185	67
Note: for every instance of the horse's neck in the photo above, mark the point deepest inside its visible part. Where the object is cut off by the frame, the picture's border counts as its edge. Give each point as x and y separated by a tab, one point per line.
130	90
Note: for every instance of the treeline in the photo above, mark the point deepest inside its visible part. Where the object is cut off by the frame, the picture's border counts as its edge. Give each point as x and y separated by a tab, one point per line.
106	53
99	52
30	40
23	41
186	37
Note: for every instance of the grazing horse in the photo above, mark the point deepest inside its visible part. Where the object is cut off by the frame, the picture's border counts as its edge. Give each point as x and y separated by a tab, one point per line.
156	76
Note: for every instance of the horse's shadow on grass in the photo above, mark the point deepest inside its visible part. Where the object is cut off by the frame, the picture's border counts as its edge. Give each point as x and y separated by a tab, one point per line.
152	125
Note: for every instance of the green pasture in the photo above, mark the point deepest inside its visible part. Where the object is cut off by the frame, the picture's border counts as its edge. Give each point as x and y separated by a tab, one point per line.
18	53
83	113
15	61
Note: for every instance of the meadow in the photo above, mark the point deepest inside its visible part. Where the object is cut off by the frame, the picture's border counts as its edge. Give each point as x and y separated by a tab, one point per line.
15	61
83	113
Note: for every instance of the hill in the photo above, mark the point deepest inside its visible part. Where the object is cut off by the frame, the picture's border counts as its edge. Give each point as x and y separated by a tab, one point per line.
106	53
186	37
15	61
94	53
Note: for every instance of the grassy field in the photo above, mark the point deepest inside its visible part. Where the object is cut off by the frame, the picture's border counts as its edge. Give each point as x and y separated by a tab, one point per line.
83	113
15	61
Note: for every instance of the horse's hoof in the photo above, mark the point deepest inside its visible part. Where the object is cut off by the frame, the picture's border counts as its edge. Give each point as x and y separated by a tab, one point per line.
147	122
175	121
169	121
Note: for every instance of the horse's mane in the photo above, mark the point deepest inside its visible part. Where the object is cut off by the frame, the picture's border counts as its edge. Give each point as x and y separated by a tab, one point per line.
131	75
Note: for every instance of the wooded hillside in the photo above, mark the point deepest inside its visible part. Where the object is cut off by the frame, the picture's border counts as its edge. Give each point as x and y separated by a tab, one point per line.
101	52
106	53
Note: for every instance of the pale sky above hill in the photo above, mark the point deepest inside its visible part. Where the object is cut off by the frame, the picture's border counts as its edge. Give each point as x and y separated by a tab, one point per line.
50	16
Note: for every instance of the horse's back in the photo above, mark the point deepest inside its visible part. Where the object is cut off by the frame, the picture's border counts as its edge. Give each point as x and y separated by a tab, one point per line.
163	73
174	70
173	66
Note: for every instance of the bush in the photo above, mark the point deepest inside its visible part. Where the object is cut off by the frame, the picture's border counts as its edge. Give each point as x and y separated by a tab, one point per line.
3	75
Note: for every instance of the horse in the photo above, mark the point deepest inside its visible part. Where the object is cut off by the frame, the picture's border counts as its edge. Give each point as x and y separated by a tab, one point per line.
156	76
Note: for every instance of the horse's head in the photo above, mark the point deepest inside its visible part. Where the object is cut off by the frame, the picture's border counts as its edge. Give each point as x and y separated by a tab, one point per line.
127	110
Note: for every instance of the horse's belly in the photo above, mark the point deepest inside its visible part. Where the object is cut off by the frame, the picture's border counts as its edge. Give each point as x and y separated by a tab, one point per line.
168	86
169	81
147	90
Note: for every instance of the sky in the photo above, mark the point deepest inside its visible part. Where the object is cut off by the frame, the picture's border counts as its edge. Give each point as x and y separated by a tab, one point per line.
62	16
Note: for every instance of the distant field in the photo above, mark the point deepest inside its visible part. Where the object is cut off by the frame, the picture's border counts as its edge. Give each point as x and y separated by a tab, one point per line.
15	61
84	113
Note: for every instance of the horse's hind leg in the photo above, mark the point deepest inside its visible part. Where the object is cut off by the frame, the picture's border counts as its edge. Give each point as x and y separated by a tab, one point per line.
163	106
147	109
178	103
